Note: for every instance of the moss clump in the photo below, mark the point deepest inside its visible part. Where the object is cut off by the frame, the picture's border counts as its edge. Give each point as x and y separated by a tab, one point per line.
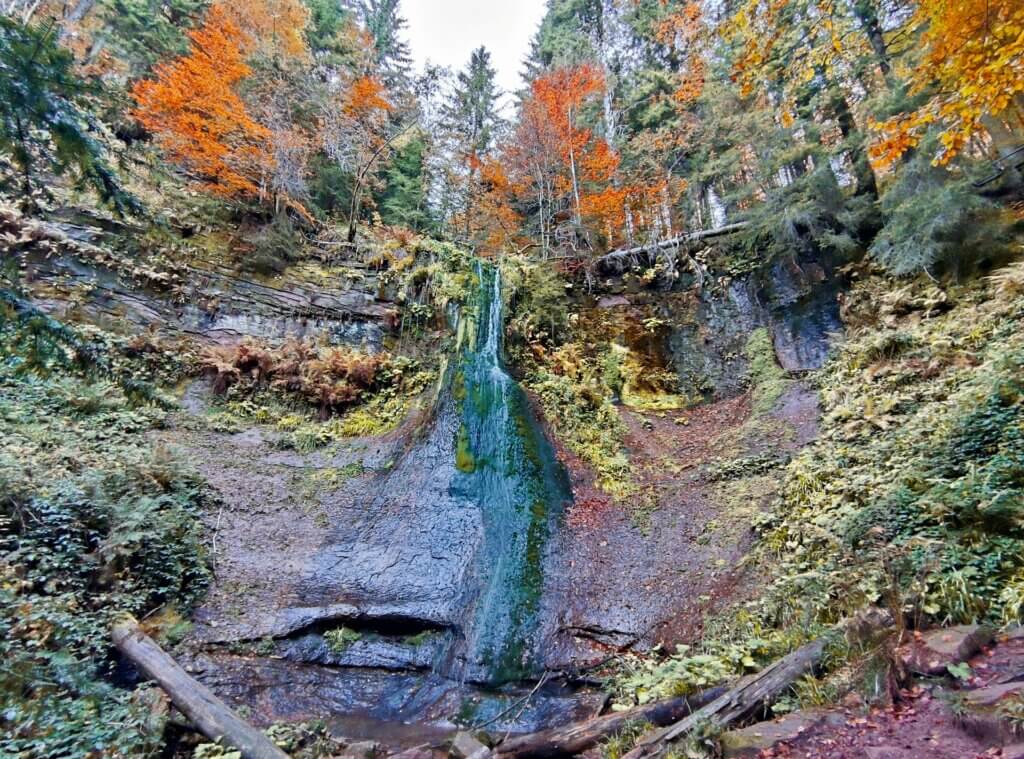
589	424
619	744
768	380
464	459
420	638
341	639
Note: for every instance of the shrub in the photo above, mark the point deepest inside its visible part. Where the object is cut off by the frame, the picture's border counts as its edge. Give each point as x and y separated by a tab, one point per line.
332	378
94	522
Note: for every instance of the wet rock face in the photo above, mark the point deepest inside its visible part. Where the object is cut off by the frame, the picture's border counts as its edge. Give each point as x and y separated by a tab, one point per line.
795	299
407	550
448	539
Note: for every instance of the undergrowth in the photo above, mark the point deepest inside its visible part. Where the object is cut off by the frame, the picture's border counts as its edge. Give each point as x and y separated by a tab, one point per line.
353	393
578	405
95	522
911	499
767	379
305	740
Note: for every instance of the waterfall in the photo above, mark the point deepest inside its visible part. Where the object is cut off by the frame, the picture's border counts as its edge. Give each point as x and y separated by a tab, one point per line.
508	467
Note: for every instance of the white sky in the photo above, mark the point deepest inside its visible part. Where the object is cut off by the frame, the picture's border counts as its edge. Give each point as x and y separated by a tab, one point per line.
447	31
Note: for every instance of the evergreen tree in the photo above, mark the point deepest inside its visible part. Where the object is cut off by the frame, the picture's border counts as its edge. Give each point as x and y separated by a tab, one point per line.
471	111
44	121
385	25
147	31
403	201
470	121
567	34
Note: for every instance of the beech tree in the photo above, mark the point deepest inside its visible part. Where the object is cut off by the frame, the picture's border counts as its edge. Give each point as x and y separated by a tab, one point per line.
200	121
971	67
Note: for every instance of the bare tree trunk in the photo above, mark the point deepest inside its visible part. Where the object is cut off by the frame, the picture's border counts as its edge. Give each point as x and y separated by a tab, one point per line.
211	715
572	169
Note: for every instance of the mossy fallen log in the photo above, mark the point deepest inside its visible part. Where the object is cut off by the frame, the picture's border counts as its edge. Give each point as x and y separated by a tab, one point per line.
752	696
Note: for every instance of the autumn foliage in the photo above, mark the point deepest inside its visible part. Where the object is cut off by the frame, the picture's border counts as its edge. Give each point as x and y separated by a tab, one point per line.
365	97
332	378
556	163
193	107
973	58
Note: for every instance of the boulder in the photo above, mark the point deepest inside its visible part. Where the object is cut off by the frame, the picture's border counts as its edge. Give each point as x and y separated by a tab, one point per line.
418	752
751	741
982	716
364	750
465	746
993	694
933	652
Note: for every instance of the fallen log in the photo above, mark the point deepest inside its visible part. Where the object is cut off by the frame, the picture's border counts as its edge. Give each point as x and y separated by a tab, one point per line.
618	257
211	715
754	694
580	736
751	695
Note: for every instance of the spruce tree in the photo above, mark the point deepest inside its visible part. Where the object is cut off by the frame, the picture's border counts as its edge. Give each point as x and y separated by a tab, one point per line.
470	119
147	31
44	119
385	24
403	201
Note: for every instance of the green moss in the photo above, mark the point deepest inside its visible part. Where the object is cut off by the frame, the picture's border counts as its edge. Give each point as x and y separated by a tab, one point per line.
459	386
341	639
420	639
464	459
768	380
590	426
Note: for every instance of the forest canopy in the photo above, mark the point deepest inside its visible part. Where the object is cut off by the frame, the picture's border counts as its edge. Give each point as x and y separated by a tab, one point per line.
822	123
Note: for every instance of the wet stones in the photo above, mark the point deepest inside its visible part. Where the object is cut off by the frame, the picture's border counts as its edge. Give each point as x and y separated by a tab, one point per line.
465	746
750	742
933	652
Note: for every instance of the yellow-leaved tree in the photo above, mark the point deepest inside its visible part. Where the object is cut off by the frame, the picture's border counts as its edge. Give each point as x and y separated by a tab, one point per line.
972	59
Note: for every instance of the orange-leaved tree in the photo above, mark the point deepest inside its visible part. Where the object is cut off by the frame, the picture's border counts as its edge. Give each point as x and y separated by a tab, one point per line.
194	109
557	164
972	59
683	32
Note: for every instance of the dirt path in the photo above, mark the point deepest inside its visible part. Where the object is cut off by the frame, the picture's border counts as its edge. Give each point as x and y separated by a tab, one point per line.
938	718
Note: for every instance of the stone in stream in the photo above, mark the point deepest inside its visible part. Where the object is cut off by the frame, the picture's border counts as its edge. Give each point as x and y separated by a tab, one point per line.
363	750
417	752
465	746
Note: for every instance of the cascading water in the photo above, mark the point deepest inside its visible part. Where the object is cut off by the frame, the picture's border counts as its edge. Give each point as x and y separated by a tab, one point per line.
439	564
507	466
